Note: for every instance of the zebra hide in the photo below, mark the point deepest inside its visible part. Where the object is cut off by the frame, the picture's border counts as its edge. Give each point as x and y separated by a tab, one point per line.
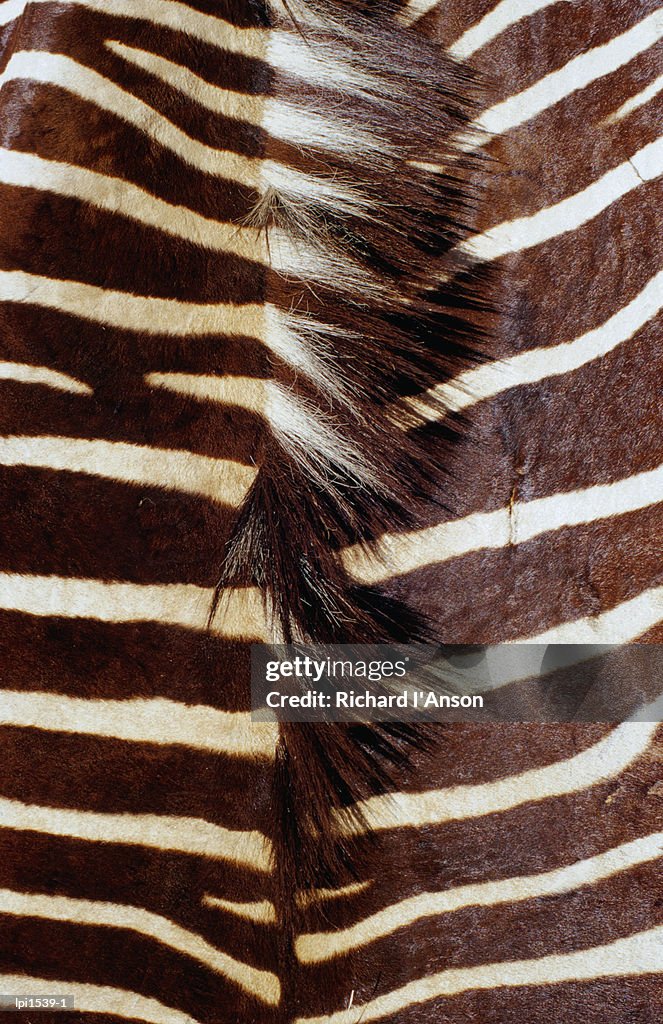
379	195
375	324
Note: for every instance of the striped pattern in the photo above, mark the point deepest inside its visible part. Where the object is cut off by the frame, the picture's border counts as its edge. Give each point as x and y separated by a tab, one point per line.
127	743
150	353
323	946
575	384
516	877
637	955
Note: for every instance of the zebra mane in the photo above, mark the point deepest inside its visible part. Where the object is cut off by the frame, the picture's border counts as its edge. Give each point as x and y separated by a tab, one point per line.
378	196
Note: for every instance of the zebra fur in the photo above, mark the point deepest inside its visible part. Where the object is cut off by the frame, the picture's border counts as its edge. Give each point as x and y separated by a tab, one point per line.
356	469
154	363
343	467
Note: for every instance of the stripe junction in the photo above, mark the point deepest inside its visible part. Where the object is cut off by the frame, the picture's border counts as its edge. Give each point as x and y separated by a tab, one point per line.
637	954
603	761
281	120
314	948
263	985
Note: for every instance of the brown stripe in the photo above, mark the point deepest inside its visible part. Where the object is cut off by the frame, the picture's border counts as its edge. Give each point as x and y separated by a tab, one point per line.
111	776
447	24
67	524
124	960
541	283
607	408
581	1002
147	416
160	265
27	106
527	930
124	660
558	577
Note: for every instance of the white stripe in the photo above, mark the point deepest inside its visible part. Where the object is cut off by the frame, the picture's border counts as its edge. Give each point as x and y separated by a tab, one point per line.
314	440
131	312
59	70
253	172
179	17
115	195
639	954
287	335
263	985
241	613
160	721
24	373
101	999
281	120
244	392
496	21
506	527
544	362
637	101
192	836
314	948
309	897
622	624
577	74
604	760
318	65
261	911
570	213
220	480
